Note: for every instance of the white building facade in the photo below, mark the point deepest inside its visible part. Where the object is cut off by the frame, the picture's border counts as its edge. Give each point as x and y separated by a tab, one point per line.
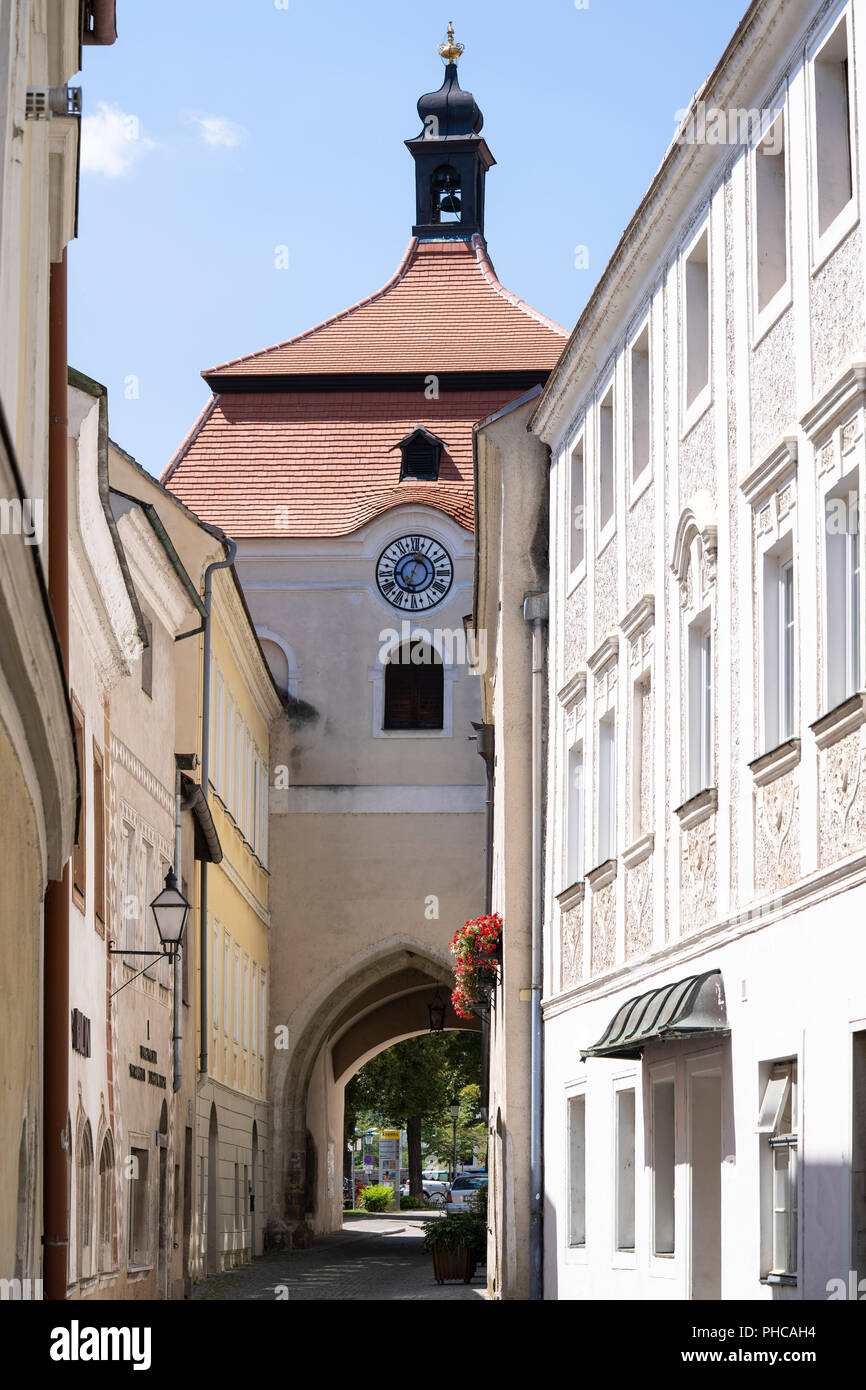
706	800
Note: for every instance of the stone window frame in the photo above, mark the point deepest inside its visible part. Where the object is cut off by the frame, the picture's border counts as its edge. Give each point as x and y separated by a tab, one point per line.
574	700
693	564
645	323
606	386
836	429
376	677
823	245
604	668
580	438
638	629
690	414
762	320
771	494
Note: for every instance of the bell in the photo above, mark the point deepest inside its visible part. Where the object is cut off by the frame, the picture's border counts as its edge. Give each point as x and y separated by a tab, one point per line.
450	203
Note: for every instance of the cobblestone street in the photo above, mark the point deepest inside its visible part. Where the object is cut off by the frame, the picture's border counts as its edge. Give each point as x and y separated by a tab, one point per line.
371	1258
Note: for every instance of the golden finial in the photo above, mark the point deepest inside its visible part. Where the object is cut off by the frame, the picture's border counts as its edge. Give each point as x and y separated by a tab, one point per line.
450	51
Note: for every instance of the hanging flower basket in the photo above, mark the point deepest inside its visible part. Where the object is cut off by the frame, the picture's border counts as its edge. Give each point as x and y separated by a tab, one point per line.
477	947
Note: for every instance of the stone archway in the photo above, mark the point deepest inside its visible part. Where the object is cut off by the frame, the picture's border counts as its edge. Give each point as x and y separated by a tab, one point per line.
378	999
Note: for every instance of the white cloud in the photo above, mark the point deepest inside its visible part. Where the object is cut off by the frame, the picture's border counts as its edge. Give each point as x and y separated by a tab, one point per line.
111	141
217	130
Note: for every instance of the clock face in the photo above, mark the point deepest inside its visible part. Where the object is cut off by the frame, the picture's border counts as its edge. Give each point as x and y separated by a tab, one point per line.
414	573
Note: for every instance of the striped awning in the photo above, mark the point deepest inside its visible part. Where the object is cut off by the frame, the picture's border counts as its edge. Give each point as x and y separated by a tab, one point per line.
690	1009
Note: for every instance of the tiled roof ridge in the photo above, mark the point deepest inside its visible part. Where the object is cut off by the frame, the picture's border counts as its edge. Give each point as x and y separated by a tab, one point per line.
485	265
187	443
395	279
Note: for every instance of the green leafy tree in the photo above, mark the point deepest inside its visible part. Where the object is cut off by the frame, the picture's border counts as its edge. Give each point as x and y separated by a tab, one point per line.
412	1083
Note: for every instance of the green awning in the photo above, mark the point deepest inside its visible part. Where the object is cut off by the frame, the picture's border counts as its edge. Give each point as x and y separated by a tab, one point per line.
690	1009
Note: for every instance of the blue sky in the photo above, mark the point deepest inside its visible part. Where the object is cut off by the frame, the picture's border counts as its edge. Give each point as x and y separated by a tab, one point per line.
220	130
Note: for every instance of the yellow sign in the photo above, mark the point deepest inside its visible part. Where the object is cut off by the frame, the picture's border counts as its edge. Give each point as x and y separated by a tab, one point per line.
389	1133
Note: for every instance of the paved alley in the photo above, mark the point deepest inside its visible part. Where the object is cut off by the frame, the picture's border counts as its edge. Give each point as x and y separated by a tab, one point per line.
378	1258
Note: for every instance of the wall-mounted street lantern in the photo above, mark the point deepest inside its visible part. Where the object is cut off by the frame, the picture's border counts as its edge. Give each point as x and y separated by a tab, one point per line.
436	1009
170	910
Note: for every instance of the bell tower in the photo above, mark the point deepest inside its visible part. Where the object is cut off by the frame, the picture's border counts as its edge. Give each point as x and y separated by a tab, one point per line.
451	158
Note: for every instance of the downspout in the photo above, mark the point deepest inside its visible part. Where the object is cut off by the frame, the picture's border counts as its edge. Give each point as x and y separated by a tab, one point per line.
177	1001
535	610
56	1025
486	745
231	552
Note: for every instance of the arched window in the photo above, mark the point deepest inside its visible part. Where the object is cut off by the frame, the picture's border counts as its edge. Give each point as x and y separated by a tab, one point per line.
85	1203
105	1230
446	194
278	663
414	688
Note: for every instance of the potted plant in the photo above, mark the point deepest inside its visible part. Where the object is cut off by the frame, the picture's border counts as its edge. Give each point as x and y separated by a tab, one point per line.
456	1243
477	947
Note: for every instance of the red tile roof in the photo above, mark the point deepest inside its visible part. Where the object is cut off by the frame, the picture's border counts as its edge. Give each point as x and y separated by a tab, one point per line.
443	311
322	462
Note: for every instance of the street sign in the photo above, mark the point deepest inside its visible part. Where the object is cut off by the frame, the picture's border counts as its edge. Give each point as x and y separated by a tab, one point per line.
368	1160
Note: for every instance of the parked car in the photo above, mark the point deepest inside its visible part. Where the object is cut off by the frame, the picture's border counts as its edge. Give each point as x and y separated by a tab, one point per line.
440	1175
462	1189
434	1191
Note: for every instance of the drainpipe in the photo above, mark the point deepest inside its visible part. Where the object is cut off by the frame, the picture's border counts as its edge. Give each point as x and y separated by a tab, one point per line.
231	552
177	1001
535	610
486	741
56	1036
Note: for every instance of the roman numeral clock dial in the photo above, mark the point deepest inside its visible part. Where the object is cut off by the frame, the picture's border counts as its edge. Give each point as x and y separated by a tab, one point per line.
414	573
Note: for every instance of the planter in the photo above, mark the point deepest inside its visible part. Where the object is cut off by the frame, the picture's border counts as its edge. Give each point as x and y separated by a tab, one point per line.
458	1263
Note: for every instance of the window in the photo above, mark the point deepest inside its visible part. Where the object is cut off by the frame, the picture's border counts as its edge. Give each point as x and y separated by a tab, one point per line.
640	404
700	716
106	1205
238	781
85	1203
151	934
236	989
770	216
574	852
263	999
79	853
246	1023
779	654
246	788
625	1157
420	455
606	788
219	734
254	1035
138	1223
663	1165
263	816
129	909
98	837
842	544
696	286
642	757
215	973
577	1170
414	688
832	153
606	485
226	982
577	483
228	787
777	1126
147	660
